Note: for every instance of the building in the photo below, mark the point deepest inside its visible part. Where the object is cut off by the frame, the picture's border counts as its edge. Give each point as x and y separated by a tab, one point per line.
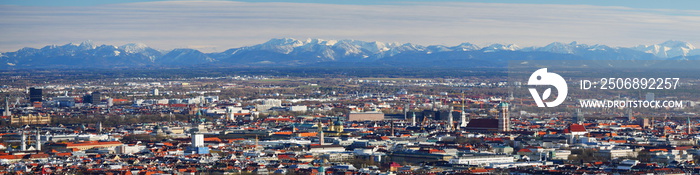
561	154
197	140
267	104
482	159
31	119
35	95
336	129
87	98
86	145
418	157
298	108
197	146
366	116
95	98
504	117
7	111
611	154
325	148
64	101
483	125
503	149
130	149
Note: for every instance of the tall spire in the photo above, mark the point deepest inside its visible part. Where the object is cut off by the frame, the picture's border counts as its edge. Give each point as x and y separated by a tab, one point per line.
38	140
450	119
463	117
690	129
99	127
405	112
7	108
393	133
320	133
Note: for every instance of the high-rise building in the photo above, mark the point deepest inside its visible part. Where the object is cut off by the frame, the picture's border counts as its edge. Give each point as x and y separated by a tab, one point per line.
35	95
197	140
23	146
38	140
504	117
95	97
87	98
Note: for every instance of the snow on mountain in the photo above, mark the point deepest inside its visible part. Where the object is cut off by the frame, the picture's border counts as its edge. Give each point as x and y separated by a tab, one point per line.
347	48
557	47
669	49
599	47
281	45
87	45
466	47
294	52
331	49
501	47
134	47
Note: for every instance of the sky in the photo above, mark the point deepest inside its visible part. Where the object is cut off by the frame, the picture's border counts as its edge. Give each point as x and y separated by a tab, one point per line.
214	26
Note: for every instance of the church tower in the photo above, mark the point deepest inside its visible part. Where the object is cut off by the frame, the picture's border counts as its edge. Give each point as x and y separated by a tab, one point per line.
504	118
7	108
320	133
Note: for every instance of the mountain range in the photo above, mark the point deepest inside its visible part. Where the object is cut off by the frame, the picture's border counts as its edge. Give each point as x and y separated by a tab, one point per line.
288	52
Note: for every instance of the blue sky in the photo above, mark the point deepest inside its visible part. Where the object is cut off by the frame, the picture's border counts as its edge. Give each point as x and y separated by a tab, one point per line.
645	4
219	25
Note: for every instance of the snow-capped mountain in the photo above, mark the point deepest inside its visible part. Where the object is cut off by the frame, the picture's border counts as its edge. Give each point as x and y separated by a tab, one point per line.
501	47
319	52
669	49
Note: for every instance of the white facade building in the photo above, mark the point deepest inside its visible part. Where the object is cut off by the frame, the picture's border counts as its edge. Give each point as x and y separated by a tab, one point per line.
482	159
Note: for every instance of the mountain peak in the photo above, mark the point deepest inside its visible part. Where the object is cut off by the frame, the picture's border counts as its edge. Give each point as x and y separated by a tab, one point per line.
284	41
501	47
309	51
677	44
87	45
669	49
134	47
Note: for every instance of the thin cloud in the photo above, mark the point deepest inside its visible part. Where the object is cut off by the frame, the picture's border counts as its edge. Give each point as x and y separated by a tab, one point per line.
220	25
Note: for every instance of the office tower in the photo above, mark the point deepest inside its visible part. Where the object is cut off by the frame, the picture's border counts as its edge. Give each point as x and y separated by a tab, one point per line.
35	95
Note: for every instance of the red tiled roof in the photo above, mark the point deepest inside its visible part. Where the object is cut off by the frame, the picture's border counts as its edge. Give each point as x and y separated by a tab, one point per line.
91	143
525	150
577	128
